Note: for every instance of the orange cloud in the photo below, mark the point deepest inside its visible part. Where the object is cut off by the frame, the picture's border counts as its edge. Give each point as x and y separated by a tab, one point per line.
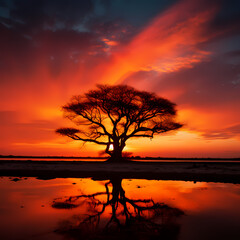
167	44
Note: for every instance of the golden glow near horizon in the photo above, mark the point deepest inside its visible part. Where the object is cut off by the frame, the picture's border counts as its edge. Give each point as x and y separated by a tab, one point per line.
111	147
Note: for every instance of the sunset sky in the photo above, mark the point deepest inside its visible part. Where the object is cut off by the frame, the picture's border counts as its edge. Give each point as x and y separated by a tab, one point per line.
187	51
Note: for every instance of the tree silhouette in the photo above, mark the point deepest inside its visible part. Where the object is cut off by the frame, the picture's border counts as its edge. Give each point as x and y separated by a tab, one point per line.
110	115
129	218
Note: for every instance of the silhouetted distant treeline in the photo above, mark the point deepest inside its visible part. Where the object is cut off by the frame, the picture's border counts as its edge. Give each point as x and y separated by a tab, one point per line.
57	157
132	157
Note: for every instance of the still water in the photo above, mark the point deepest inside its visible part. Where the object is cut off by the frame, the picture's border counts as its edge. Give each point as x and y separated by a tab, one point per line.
75	208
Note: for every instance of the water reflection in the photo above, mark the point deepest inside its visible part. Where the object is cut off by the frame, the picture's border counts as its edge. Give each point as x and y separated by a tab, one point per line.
112	215
211	210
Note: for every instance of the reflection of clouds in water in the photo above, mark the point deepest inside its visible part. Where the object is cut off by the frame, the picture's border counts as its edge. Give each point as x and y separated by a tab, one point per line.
210	214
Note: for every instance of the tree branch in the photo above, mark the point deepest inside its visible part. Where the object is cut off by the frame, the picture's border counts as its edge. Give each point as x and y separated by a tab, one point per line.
76	137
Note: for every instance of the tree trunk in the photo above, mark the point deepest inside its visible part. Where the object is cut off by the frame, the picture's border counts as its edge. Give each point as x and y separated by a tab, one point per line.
116	153
116	156
117	190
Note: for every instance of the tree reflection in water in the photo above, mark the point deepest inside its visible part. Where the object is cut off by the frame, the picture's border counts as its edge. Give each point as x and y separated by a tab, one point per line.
129	218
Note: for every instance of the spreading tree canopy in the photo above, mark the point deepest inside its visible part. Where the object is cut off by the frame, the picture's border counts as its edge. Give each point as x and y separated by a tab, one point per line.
110	115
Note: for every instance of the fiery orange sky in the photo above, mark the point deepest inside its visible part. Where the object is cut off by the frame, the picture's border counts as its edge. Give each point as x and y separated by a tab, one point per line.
186	51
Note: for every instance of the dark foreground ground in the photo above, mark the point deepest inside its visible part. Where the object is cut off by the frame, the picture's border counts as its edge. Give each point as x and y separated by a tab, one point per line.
186	171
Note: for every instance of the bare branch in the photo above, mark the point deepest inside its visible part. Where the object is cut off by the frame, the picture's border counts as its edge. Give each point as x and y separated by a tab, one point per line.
71	132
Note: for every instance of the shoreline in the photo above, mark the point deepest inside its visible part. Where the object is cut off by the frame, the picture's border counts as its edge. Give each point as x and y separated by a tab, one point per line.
182	171
130	158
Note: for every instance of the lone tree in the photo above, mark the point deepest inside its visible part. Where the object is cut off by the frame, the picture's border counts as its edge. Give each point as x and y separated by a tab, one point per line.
110	115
